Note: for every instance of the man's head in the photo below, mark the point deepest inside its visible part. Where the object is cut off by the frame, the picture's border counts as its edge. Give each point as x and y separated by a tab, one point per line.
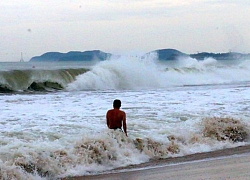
117	103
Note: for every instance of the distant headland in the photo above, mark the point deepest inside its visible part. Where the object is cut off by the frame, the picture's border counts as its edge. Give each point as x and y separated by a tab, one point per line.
163	54
72	56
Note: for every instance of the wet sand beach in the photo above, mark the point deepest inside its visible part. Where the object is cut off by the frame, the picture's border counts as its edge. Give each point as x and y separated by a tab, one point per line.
232	163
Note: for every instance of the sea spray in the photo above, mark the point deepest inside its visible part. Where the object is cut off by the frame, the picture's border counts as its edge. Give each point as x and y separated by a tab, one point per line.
189	62
225	129
96	154
156	149
132	73
14	172
122	73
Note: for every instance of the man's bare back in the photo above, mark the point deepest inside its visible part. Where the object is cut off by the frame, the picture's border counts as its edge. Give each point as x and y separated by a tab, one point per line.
116	119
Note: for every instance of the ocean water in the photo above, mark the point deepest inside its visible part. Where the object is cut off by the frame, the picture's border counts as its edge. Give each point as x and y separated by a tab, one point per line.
52	115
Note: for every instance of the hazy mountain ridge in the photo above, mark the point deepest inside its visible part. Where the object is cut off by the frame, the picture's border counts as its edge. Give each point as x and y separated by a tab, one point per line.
72	56
163	54
220	56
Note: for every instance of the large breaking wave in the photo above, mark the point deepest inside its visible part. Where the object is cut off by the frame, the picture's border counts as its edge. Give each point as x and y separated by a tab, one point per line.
148	73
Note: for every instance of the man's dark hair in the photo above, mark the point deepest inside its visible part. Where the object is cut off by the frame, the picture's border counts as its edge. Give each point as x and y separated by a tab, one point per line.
117	103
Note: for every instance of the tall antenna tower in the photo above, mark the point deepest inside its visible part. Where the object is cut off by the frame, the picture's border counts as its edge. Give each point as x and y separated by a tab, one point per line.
21	60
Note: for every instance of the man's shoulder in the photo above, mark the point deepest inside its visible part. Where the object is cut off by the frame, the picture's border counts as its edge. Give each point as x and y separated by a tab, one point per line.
123	112
116	110
110	110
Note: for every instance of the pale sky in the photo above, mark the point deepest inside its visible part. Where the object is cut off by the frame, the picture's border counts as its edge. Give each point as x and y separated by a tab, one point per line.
34	27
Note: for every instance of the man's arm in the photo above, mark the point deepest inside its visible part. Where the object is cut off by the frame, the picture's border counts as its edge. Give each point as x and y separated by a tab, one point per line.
124	123
107	119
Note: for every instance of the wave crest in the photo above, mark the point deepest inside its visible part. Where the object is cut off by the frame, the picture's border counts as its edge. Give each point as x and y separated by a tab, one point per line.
37	80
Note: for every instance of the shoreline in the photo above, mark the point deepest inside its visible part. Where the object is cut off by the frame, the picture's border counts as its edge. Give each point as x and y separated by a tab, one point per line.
231	162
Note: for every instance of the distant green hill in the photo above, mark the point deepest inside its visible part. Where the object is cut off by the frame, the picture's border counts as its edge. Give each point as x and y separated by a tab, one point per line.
169	54
72	56
173	54
220	56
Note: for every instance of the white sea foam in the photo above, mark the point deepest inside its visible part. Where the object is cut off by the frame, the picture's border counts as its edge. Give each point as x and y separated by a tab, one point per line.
58	134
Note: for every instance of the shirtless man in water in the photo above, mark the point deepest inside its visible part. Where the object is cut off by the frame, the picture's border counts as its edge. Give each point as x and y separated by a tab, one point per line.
116	119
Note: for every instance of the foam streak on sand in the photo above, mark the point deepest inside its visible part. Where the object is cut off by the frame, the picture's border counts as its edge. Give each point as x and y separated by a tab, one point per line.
230	163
